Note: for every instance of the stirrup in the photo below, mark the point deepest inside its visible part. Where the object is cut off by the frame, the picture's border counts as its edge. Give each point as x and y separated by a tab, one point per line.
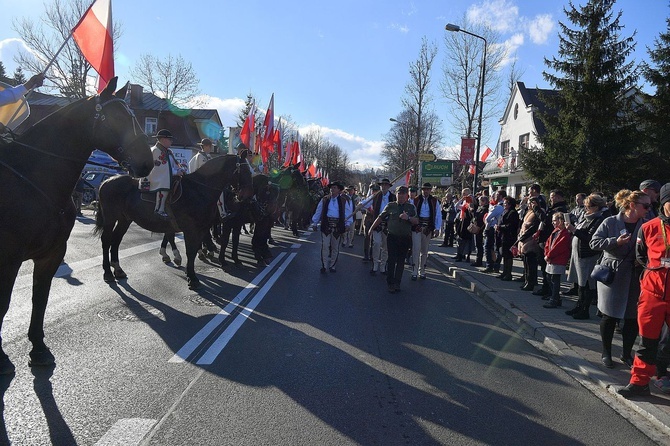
162	214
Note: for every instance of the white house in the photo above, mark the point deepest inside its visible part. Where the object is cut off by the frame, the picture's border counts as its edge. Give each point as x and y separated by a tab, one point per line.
519	127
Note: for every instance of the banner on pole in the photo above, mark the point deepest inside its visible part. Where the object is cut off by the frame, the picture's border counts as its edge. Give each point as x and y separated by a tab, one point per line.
467	151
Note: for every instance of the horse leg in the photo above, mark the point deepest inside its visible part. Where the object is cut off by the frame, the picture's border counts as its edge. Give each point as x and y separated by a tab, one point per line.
117	235
224	238
7	279
106	240
43	273
237	229
192	240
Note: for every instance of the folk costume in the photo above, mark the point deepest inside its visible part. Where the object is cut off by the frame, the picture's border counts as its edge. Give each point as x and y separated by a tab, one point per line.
335	215
379	248
430	220
160	177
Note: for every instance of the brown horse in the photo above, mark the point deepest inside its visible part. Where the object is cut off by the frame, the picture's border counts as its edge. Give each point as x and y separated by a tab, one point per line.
46	161
121	203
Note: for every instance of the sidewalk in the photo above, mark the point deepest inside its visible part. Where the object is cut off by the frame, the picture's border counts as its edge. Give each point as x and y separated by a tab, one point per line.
576	343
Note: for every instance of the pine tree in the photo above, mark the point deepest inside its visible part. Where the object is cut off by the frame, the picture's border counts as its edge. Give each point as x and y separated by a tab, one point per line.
3	74
590	133
654	158
19	77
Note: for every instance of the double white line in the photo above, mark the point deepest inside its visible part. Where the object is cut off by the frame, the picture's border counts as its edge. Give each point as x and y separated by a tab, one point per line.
220	343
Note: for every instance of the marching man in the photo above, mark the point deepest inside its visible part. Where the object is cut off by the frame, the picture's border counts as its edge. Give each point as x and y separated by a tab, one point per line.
430	222
335	212
378	201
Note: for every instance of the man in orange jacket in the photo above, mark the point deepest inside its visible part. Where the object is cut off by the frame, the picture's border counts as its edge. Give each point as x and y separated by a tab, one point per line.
652	251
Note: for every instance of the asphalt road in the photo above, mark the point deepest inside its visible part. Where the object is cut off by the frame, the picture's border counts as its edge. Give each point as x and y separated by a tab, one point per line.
281	356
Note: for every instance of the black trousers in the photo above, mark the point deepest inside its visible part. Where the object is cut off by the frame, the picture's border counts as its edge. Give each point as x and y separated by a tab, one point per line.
397	246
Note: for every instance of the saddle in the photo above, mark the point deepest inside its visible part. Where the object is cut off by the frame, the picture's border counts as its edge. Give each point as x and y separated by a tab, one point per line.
175	193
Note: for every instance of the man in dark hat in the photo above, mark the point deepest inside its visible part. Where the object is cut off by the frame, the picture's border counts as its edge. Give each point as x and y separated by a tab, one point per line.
378	201
651	188
653	308
165	166
202	156
399	215
335	213
348	239
430	222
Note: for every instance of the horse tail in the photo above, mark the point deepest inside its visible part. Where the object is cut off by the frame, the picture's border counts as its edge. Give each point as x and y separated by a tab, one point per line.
99	221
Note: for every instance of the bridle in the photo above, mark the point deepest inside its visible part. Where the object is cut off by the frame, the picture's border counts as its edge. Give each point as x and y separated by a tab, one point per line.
98	117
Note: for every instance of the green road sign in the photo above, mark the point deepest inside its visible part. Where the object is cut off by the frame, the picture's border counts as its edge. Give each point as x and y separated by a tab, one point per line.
437	169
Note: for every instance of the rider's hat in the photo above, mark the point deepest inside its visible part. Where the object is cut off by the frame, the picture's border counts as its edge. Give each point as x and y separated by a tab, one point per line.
337	184
205	142
163	133
385	181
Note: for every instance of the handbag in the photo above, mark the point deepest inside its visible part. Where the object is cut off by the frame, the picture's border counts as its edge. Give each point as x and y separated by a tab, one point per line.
473	228
603	274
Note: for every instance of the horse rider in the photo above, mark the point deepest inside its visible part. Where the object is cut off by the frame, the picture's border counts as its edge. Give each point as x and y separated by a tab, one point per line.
165	167
13	94
335	212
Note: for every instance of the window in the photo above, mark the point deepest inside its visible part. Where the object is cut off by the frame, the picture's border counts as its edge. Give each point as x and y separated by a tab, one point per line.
524	140
516	111
504	148
150	126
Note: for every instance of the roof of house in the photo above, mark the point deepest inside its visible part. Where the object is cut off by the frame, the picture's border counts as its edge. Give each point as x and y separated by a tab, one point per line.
532	97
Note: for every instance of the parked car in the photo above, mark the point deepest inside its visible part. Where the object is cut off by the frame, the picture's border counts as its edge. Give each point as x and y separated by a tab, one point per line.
93	181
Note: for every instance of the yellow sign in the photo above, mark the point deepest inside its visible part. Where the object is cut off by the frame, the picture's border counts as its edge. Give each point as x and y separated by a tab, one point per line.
427	157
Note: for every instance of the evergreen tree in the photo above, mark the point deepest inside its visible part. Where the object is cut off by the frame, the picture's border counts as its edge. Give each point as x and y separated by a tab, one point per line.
591	135
654	157
3	74
19	77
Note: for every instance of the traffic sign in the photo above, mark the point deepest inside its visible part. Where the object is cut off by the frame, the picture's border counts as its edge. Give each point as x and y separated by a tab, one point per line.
427	157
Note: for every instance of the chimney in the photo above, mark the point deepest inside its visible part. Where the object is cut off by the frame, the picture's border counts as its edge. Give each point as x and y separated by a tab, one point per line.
136	92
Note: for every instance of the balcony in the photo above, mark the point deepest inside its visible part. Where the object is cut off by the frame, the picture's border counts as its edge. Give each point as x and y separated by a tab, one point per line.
502	165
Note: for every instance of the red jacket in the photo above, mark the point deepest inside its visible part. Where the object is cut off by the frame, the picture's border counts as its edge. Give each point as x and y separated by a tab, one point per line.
558	246
650	248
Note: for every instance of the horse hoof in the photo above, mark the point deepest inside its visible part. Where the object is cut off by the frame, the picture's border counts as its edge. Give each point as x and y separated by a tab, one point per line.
166	260
177	262
120	274
6	366
108	277
41	359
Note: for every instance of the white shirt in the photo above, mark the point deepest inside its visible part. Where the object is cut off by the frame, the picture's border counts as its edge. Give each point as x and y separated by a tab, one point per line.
424	212
333	211
11	95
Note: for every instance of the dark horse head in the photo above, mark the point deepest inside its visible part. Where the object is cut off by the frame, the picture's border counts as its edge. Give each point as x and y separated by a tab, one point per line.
116	131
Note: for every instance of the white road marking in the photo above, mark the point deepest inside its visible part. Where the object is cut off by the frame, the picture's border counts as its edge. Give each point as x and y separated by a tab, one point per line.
218	319
221	342
126	432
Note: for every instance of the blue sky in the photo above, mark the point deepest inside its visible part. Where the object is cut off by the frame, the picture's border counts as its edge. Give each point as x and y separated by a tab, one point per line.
340	67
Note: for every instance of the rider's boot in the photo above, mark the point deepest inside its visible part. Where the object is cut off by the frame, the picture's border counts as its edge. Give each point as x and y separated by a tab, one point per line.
160	204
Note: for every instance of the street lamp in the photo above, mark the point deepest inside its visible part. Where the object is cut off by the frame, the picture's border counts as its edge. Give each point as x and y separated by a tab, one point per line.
416	155
456	28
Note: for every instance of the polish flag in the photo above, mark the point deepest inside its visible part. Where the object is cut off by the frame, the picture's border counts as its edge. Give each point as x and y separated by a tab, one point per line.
248	127
269	124
482	158
276	139
312	169
500	162
93	35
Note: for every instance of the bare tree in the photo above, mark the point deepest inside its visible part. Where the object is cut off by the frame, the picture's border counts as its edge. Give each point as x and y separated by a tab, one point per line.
418	98
169	77
514	75
462	76
70	70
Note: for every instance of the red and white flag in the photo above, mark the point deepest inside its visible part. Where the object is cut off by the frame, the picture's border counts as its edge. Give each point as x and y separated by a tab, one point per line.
500	162
93	35
269	124
312	169
482	158
248	127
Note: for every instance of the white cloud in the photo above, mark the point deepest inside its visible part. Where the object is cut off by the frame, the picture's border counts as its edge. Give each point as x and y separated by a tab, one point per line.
360	150
228	108
540	28
510	47
8	49
402	28
499	15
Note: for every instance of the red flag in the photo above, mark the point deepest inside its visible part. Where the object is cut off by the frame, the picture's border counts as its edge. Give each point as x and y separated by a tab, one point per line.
93	35
408	175
269	124
248	127
312	169
482	158
277	140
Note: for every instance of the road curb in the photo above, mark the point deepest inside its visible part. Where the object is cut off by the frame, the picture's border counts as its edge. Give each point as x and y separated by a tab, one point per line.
658	422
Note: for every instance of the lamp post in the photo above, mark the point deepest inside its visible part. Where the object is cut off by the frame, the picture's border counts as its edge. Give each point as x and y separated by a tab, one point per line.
416	154
456	28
